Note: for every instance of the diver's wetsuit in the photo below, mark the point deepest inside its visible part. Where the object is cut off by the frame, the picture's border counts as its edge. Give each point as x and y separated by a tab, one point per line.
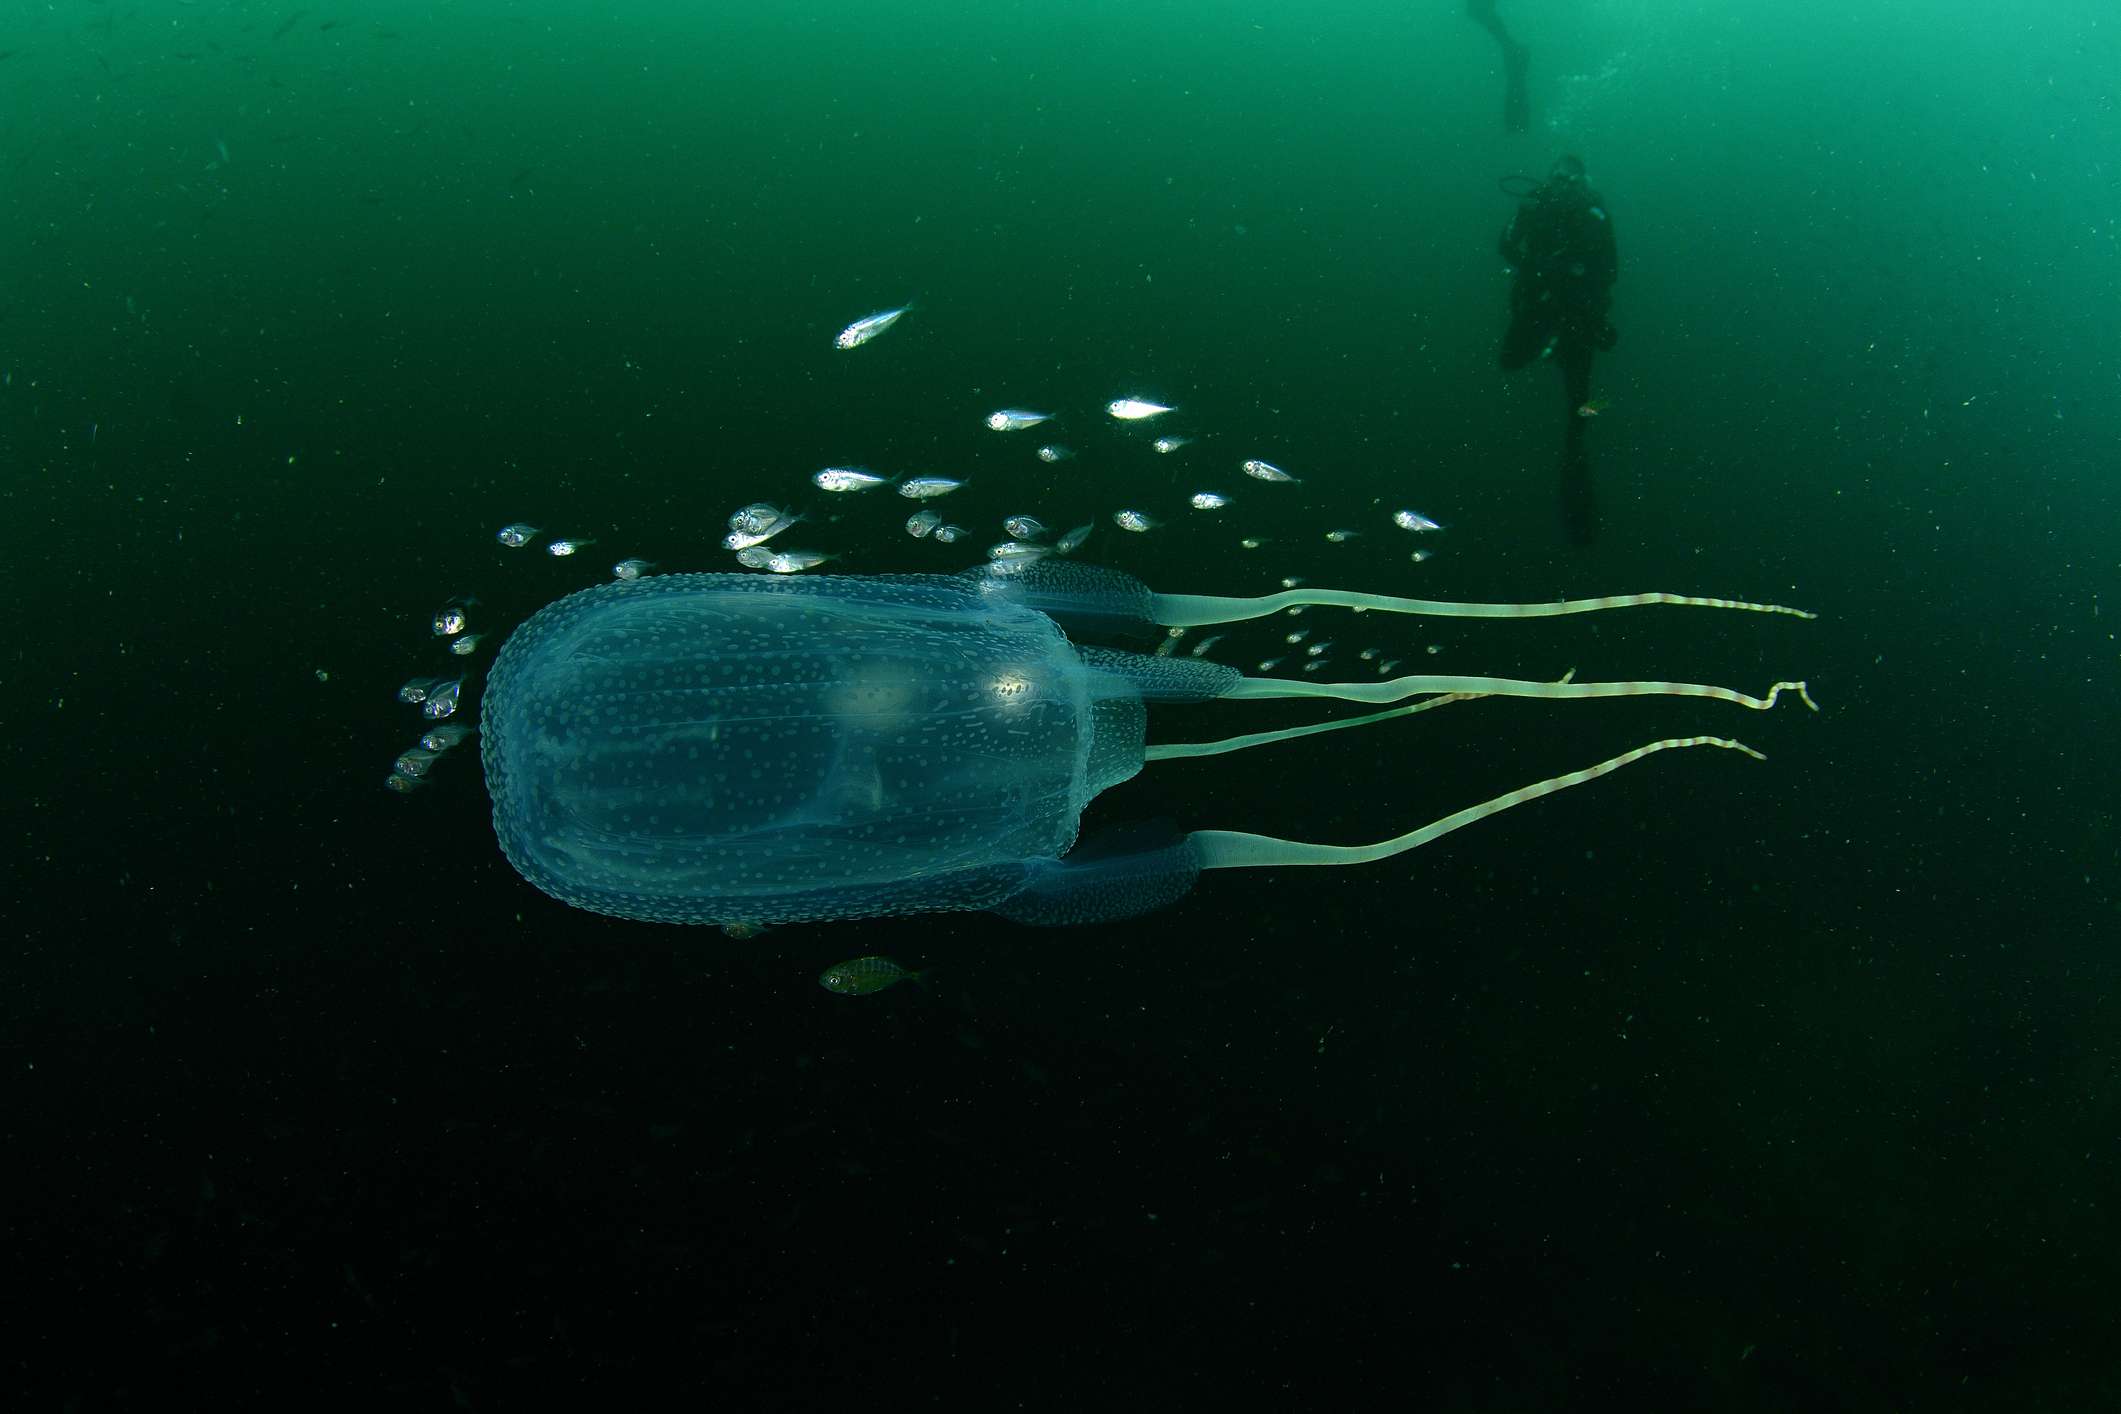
1561	246
1516	109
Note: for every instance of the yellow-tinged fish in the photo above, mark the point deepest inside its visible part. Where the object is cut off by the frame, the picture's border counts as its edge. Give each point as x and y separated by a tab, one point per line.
863	975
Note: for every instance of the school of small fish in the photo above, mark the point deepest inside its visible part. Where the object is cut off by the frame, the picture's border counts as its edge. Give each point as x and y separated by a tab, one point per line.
754	531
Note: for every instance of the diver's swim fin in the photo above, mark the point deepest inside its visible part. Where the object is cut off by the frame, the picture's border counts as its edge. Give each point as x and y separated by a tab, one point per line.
1516	107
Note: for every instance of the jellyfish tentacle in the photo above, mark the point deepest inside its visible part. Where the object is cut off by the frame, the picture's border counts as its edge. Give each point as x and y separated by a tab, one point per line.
1394	689
1196	610
1177	751
1233	849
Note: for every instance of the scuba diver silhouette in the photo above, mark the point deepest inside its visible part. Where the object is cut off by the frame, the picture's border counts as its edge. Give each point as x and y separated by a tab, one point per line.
1516	109
1560	245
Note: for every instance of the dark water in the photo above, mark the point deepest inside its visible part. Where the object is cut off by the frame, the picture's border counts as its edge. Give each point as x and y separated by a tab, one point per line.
1712	1085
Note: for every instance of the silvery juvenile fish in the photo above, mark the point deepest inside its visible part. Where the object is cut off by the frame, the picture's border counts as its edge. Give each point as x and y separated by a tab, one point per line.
1016	419
848	478
1135	409
442	699
760	517
1265	471
796	561
415	763
923	488
862	330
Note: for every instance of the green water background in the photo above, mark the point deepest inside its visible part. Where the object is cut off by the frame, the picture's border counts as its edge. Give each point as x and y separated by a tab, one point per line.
1813	1057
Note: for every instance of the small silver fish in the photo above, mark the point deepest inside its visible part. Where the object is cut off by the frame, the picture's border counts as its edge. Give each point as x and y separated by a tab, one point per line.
949	534
1054	452
1290	581
568	547
415	691
1133	520
745	539
1016	419
1021	551
1413	520
1209	501
467	645
759	518
449	621
442	699
1071	542
1420	557
862	330
1266	471
1388	666
1024	527
848	478
923	488
1201	648
401	785
443	738
1251	542
414	763
795	561
1136	409
860	976
1299	636
1318	650
1342	537
921	522
1268	665
517	535
1168	445
631	569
